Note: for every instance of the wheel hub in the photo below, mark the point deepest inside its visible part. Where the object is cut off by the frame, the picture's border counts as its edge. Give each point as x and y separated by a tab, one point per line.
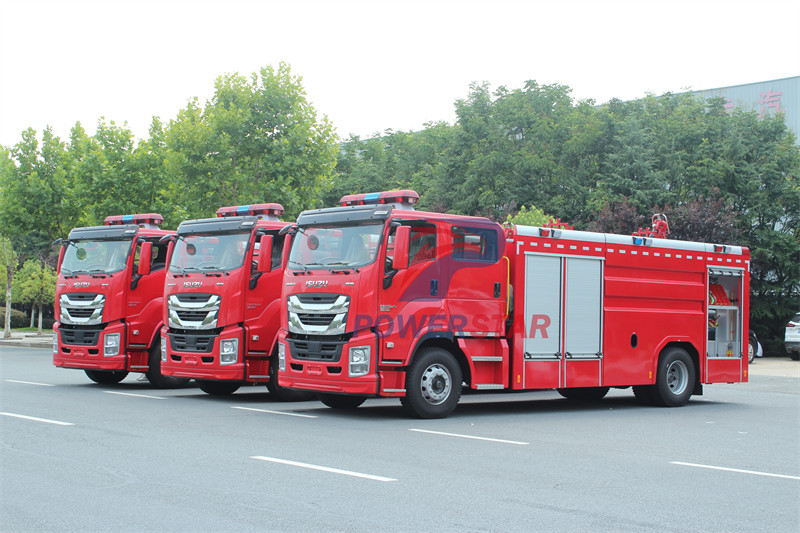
435	384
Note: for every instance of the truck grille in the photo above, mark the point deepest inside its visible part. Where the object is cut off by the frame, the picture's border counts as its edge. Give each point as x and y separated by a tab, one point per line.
193	311
80	337
318	313
81	308
192	342
312	350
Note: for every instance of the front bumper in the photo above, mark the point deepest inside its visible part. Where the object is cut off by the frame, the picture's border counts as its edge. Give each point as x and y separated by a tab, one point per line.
83	348
196	355
316	372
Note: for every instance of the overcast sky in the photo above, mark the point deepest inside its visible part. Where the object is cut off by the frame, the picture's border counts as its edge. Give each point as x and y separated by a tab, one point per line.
371	65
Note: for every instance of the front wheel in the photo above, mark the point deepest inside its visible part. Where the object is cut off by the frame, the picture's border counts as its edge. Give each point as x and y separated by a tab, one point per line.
106	377
675	379
154	375
282	394
751	350
340	401
433	384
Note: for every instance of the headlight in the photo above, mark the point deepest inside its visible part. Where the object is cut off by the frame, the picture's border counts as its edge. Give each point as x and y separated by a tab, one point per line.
359	360
55	342
281	357
163	349
228	351
111	347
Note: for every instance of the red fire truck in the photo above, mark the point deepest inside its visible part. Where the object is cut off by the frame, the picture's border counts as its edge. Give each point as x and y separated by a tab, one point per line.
222	295
385	301
109	298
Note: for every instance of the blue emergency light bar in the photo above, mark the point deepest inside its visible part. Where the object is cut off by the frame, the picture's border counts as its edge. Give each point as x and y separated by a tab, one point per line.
404	199
141	219
268	211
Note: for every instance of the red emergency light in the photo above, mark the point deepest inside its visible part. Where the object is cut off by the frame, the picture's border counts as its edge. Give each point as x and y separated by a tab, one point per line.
404	199
265	211
143	220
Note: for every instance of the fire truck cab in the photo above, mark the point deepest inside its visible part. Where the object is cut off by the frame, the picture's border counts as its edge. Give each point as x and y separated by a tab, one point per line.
222	298
109	298
385	301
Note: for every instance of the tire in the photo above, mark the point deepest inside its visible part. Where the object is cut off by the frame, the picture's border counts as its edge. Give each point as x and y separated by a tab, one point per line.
106	377
282	394
584	394
752	349
794	356
433	384
218	388
154	375
675	379
340	401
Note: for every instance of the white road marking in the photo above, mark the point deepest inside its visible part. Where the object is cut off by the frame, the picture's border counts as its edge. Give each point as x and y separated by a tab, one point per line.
738	470
134	395
30	383
323	468
471	437
35	419
273	412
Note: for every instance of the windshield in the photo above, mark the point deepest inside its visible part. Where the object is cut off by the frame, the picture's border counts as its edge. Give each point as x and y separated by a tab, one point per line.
201	252
335	246
102	257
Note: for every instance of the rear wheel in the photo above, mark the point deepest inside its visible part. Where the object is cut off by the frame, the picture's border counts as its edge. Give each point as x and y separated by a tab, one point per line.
340	401
282	394
752	348
154	375
584	394
106	377
218	388
675	379
433	384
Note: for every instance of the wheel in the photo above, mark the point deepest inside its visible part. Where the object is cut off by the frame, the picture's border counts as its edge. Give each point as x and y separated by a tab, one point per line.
154	375
584	394
675	378
340	401
433	384
751	350
218	388
282	394
794	356
106	377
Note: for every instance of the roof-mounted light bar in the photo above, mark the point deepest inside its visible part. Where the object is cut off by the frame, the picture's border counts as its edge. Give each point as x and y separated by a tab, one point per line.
143	220
262	211
404	199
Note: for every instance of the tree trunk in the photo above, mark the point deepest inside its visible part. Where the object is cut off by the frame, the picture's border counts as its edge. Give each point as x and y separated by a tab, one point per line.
40	319
7	325
33	314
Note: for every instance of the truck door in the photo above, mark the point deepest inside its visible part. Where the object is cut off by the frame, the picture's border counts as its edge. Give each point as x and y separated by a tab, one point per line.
145	297
262	304
563	318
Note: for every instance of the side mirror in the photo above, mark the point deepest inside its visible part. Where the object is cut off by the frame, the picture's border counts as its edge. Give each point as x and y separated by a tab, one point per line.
61	253
145	255
265	254
401	244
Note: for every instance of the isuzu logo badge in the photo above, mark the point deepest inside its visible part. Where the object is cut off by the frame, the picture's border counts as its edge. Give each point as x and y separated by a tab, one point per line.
81	284
317	283
192	284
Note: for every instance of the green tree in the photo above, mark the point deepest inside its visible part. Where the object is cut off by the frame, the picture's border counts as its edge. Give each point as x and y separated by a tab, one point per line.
529	217
9	265
36	283
256	140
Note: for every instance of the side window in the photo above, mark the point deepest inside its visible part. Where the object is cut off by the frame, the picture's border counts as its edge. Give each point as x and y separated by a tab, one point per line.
158	259
475	244
277	250
422	245
387	267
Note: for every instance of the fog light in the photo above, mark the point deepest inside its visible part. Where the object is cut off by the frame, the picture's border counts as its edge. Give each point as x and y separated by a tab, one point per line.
111	346
228	351
359	360
163	349
281	357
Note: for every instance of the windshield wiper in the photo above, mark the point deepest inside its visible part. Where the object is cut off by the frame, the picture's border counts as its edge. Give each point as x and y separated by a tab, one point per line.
301	265
98	273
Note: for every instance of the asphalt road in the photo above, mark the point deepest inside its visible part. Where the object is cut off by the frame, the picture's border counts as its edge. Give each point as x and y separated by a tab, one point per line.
77	456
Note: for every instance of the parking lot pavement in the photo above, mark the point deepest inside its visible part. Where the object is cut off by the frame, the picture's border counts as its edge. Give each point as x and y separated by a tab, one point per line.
25	339
780	366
